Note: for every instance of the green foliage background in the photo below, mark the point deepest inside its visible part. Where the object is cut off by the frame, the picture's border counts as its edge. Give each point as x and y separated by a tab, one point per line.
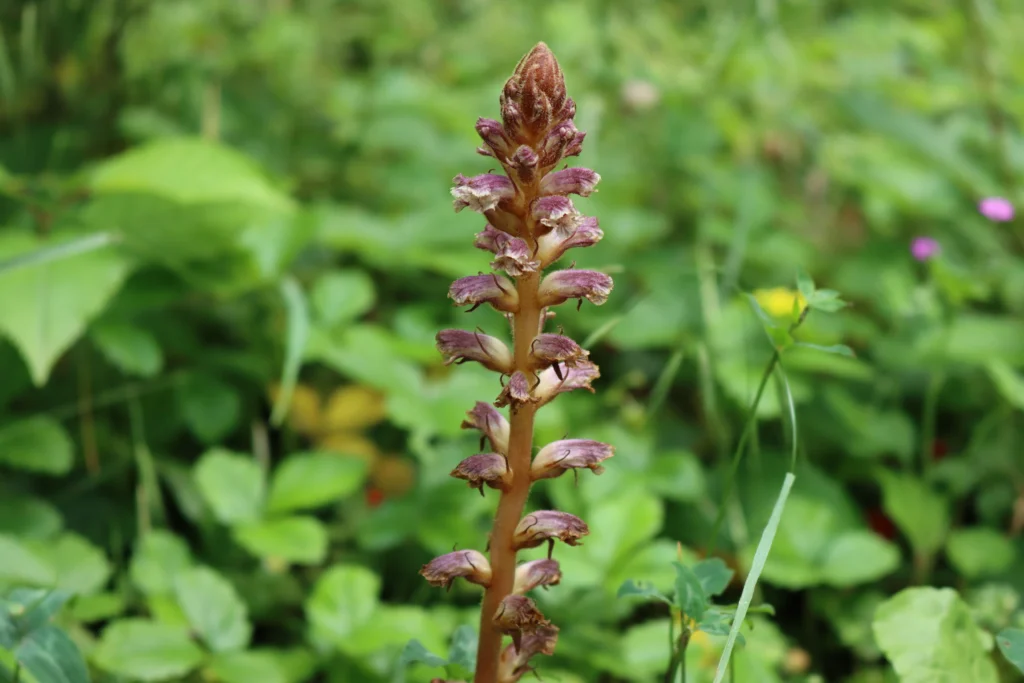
225	243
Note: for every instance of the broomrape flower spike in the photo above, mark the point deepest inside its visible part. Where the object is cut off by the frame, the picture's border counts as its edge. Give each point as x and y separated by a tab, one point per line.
530	224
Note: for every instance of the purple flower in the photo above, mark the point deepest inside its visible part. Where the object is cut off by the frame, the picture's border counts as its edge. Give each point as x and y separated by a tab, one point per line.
550	383
459	346
518	615
491	239
496	142
515	258
515	659
553	245
556	213
564	140
485	468
559	456
578	180
516	392
469	564
530	575
547	525
491	424
547	350
524	164
562	285
479	289
481	193
996	209
924	248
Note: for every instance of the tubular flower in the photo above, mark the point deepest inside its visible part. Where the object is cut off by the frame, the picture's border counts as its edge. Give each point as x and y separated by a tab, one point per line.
530	224
459	346
559	456
468	564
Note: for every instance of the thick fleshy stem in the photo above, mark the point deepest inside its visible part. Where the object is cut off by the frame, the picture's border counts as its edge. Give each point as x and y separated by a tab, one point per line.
513	501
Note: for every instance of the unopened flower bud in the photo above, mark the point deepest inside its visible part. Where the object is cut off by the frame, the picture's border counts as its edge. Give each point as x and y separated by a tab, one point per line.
515	258
480	289
484	468
563	285
544	525
516	392
551	383
536	573
548	350
468	564
563	141
559	456
534	96
581	181
459	346
515	660
496	143
518	615
481	193
552	245
524	164
556	213
491	424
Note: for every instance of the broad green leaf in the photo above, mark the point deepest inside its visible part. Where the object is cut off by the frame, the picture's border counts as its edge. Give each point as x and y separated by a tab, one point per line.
263	665
82	568
980	551
302	540
920	513
826	301
975	339
159	557
1011	643
642	589
309	480
214	609
714	576
677	475
145	650
415	653
189	171
98	607
463	649
804	283
51	657
28	517
231	484
342	296
343	599
22	566
389	629
48	305
37	444
857	557
1009	383
132	349
838	349
211	407
30	609
929	636
295	346
690	596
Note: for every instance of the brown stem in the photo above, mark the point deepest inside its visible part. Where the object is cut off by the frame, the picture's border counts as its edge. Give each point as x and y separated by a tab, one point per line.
510	507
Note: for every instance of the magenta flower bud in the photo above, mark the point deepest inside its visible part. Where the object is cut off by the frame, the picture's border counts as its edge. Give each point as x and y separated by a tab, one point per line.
996	209
515	258
469	564
516	392
518	615
578	180
550	383
537	573
524	164
481	193
563	285
552	245
548	350
496	143
460	346
492	425
485	468
924	248
480	289
559	456
547	525
556	213
534	96
491	239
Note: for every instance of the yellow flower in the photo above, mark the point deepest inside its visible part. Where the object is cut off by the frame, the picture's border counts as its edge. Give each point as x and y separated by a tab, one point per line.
778	302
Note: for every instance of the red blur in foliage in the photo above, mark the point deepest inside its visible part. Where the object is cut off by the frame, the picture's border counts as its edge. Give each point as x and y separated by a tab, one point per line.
374	496
881	524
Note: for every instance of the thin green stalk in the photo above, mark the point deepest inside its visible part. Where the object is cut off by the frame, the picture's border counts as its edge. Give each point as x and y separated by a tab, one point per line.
677	667
928	419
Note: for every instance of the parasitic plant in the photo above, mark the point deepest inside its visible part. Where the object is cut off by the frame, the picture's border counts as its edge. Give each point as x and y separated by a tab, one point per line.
531	223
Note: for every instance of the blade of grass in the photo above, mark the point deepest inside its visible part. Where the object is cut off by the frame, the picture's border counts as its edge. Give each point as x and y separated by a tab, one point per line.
295	346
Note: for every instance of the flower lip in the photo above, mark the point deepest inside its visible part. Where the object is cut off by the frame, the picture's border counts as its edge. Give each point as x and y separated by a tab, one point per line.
552	245
491	239
481	193
548	525
996	209
557	213
479	289
484	468
548	350
563	285
559	456
514	257
536	573
471	565
492	425
460	346
577	180
579	376
516	391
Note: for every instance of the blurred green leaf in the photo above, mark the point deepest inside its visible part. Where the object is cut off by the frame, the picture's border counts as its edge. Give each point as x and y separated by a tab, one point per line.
343	599
858	557
840	349
979	552
677	475
159	557
631	588
929	636
211	407
1009	383
293	539
231	484
920	513
82	568
298	334
28	517
342	296
415	653
51	657
264	665
21	566
214	609
132	349
690	596
309	480
714	576
146	650
1011	643
37	444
